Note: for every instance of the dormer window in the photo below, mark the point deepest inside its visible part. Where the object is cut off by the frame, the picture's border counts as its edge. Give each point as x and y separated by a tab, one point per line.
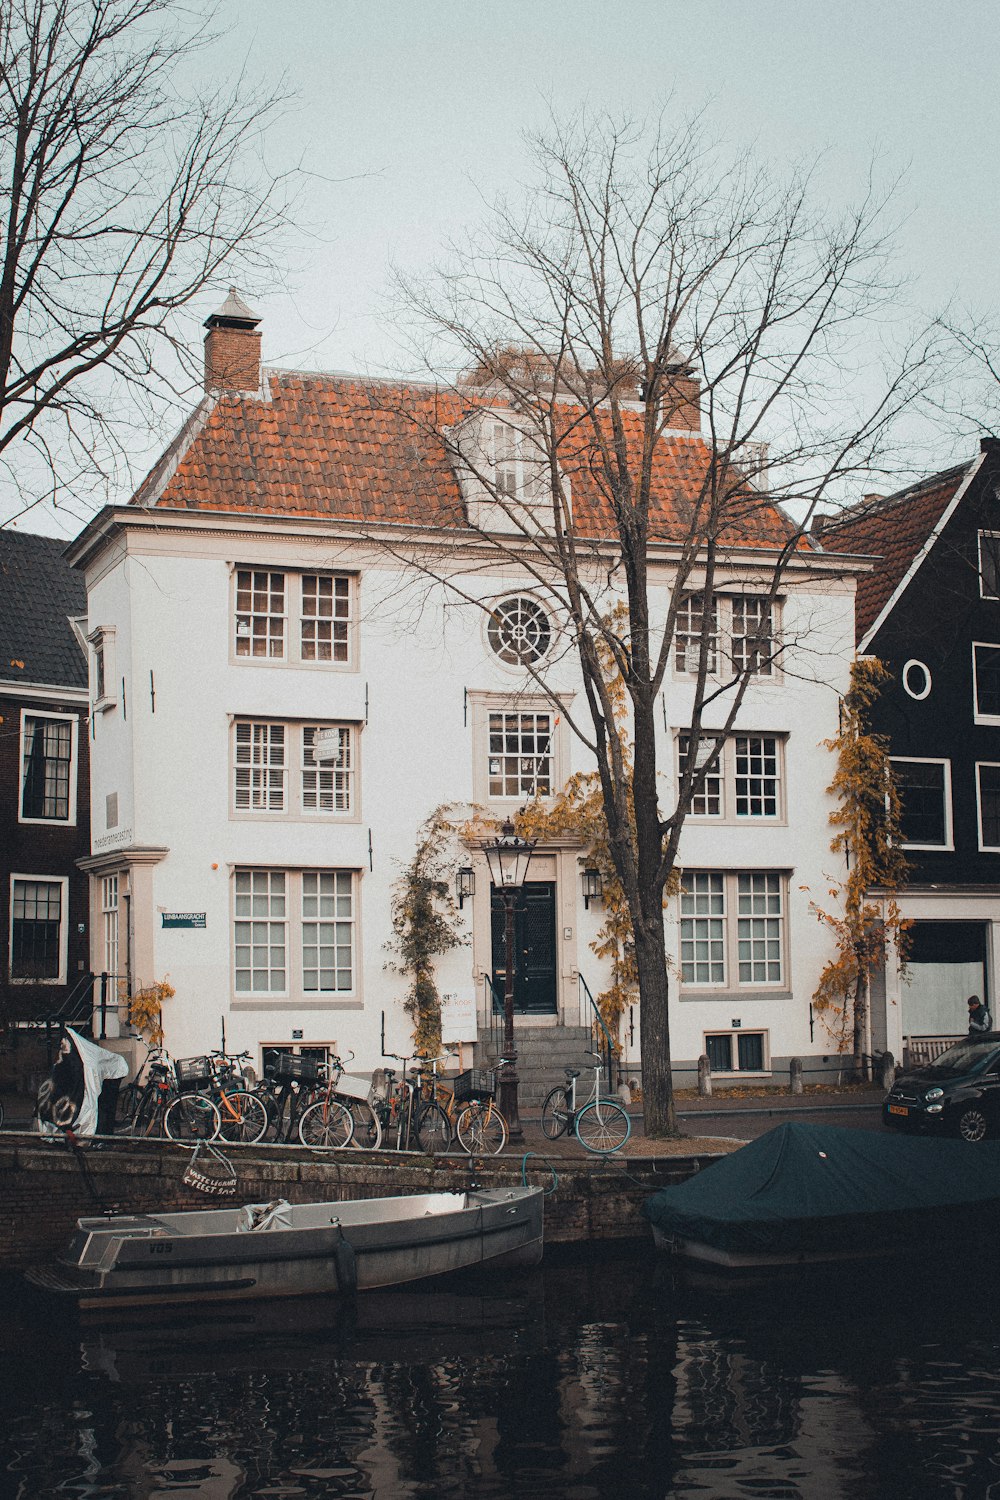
503	468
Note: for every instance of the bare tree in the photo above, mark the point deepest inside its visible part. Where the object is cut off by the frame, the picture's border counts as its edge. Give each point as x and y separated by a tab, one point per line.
120	198
642	277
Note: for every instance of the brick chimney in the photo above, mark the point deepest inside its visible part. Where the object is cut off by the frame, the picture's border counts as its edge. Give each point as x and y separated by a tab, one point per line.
232	347
680	397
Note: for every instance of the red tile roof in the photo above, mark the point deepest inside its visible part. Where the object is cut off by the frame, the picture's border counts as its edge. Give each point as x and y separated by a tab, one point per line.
894	529
373	451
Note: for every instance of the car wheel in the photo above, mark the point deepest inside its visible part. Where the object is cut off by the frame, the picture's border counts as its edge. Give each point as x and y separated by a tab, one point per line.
972	1124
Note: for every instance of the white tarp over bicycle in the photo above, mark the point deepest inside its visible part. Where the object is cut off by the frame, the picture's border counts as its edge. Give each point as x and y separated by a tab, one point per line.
68	1097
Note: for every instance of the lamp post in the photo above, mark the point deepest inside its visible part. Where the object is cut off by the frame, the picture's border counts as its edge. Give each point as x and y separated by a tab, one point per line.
508	858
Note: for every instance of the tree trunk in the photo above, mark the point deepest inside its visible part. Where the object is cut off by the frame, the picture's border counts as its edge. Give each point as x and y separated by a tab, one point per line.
659	1114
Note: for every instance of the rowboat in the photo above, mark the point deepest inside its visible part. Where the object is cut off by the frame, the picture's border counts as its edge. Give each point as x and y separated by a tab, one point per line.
281	1249
808	1194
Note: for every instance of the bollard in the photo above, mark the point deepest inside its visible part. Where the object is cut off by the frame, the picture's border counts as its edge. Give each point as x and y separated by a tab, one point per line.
887	1071
795	1074
704	1077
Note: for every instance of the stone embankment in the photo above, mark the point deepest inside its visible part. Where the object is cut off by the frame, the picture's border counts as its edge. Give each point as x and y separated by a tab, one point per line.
45	1188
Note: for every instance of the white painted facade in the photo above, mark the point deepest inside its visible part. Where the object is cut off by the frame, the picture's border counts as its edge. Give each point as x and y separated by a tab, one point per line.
419	682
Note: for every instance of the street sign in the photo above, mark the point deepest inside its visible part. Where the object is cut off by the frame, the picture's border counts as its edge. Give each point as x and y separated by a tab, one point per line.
183	918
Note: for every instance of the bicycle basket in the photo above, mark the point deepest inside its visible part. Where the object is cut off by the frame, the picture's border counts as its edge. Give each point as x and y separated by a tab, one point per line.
289	1065
210	1173
193	1074
475	1083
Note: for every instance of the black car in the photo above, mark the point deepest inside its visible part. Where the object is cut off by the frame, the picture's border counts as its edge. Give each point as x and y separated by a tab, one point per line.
958	1094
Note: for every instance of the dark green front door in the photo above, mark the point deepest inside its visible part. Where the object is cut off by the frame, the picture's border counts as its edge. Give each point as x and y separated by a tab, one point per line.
534	950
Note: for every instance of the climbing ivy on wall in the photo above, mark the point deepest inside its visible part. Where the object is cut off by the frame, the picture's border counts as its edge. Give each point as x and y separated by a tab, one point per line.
425	925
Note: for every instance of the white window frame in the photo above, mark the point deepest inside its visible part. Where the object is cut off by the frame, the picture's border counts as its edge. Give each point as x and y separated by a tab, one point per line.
31	878
978	716
504	765
721	661
291	918
729	919
102	668
734	1033
294	619
982	765
110	897
994	541
921	666
498	617
31	714
725	777
481	706
294	771
932	760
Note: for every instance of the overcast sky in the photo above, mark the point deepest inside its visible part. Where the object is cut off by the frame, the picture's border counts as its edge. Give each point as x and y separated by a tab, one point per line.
410	112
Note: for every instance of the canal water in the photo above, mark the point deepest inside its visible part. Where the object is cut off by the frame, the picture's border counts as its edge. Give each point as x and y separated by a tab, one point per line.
608	1378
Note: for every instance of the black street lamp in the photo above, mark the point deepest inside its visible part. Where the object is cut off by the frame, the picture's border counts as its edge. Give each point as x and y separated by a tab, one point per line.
508	858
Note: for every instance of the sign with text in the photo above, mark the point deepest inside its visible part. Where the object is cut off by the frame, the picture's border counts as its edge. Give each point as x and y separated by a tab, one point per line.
327	745
458	1016
183	918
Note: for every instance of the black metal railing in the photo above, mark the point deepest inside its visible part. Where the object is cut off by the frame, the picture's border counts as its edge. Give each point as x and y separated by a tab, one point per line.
603	1041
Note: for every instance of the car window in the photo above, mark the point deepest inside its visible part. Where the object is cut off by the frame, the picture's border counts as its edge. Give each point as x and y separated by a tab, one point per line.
965	1056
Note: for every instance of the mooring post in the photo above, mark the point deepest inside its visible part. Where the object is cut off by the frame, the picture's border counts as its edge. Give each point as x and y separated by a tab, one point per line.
704	1077
795	1074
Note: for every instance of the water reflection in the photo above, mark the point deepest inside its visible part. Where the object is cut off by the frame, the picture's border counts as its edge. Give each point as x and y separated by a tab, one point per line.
572	1382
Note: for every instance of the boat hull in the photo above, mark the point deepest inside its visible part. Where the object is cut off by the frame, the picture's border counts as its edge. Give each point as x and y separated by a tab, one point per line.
294	1250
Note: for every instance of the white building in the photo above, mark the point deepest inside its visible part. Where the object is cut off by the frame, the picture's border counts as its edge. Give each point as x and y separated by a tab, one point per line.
257	589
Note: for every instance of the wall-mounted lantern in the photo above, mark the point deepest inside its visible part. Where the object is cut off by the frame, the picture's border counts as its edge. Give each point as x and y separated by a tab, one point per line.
465	884
593	887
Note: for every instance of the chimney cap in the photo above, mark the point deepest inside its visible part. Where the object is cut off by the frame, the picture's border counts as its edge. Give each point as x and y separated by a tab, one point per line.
234	313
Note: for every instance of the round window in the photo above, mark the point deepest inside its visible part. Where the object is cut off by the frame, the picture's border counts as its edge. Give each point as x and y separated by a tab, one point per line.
519	631
917	679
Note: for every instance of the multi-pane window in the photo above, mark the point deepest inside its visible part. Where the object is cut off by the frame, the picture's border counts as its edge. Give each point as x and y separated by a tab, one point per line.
47	792
328	784
692	623
260	931
703	929
519	631
746	621
294	617
736	1051
518	463
260	613
759	928
327	931
745	781
37	930
752	636
294	933
986	679
989	564
988	781
265	754
520	754
259	772
109	923
326	617
924	788
732	928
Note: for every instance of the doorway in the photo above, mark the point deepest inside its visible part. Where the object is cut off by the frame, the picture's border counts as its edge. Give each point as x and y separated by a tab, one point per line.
534	950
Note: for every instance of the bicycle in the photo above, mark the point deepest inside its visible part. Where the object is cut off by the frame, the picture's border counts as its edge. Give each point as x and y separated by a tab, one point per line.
418	1124
600	1125
192	1115
242	1116
480	1128
322	1123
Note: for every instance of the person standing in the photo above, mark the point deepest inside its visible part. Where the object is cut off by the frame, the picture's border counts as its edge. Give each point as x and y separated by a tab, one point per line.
979	1016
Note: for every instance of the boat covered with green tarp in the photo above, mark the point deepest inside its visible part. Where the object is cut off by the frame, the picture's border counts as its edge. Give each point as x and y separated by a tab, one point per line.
815	1193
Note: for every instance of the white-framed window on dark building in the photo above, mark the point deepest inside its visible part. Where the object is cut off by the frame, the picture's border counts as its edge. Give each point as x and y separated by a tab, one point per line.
989	564
746	780
737	1051
986	682
988	802
917	680
48	768
924	788
520	754
292	617
38	929
733	929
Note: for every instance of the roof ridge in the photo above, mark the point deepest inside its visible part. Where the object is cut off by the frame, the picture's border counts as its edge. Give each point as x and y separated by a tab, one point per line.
863	510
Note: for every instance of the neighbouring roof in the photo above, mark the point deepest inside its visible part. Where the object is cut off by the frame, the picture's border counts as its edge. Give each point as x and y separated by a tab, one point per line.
39	591
371	451
894	529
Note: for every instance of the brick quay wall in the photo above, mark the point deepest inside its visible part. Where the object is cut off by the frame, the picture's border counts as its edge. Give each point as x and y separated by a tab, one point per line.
45	1187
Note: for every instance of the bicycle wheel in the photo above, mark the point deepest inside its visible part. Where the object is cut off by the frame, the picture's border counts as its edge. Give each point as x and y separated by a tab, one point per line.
242	1117
367	1125
482	1128
126	1108
603	1126
191	1117
555	1113
433	1130
327	1124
